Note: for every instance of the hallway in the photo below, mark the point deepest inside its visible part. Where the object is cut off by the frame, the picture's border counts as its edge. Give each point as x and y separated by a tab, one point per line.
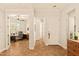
20	48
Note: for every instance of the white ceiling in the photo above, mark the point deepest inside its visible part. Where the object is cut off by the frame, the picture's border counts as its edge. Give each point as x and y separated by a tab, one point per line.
29	5
19	16
33	7
15	6
49	5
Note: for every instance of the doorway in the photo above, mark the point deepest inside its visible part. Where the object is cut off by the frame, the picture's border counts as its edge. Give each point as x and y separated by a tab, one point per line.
17	30
71	24
40	32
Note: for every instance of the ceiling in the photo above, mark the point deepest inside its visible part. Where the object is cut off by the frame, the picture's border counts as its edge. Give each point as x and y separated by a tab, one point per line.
15	5
33	5
16	16
49	5
29	8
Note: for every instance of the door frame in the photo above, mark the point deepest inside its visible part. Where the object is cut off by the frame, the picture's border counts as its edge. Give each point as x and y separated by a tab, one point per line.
8	44
72	10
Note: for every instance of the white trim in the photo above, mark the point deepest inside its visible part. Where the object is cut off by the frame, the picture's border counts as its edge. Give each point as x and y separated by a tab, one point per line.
31	48
53	44
65	47
3	50
45	43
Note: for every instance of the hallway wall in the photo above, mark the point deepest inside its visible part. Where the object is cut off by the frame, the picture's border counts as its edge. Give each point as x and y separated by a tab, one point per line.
64	24
52	24
2	30
77	16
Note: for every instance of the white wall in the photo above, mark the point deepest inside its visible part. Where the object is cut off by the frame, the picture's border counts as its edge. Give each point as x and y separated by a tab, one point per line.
2	31
37	29
53	29
77	16
31	36
63	31
64	25
51	17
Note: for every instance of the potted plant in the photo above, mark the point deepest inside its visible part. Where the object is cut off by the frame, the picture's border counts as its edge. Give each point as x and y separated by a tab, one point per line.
75	36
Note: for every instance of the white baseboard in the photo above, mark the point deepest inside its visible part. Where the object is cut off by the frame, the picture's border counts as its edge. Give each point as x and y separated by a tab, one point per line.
65	47
3	50
31	48
46	44
52	43
57	44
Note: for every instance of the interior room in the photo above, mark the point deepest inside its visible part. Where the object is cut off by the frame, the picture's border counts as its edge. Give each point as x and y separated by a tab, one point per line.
39	29
17	23
18	26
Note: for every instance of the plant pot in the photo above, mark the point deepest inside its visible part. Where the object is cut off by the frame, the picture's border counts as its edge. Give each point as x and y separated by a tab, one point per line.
75	37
